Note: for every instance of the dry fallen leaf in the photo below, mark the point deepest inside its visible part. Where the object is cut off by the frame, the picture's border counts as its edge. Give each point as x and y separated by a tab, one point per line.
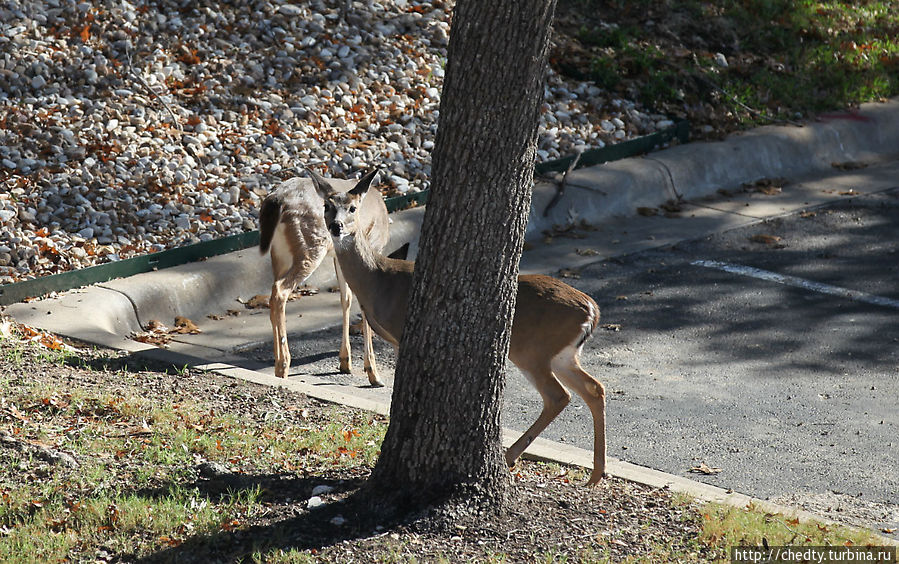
185	326
156	326
704	468
672	206
587	252
849	165
611	327
769	190
647	212
569	273
258	301
765	239
300	292
767	186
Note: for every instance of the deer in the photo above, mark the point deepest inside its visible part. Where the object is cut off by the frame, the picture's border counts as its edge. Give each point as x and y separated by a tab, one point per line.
292	229
552	320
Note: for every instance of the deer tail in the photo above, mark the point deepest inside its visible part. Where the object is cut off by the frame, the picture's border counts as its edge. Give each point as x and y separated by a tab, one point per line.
269	216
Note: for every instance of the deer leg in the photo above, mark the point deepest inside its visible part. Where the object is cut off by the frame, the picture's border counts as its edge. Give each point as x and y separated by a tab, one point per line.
568	369
277	303
371	368
555	398
346	300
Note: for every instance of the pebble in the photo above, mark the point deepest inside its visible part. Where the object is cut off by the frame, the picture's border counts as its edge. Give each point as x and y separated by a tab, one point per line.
322	489
215	107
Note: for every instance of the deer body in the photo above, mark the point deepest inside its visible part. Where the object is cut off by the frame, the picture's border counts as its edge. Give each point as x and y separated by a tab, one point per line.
292	228
551	323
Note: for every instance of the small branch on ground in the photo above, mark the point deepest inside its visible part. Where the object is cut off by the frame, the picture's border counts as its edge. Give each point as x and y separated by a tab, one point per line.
153	94
560	184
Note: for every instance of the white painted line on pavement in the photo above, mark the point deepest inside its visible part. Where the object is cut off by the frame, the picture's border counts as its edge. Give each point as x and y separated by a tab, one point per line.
798	282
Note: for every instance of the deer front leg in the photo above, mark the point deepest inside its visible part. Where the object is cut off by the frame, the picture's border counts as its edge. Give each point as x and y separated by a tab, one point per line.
277	314
371	368
346	300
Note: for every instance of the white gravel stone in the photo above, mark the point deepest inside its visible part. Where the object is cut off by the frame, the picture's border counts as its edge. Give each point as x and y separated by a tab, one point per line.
322	489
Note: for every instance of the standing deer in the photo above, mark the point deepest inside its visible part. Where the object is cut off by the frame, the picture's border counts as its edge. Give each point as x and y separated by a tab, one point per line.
292	225
551	323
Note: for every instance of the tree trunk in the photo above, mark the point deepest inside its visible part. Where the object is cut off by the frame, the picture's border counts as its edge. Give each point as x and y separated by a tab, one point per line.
444	433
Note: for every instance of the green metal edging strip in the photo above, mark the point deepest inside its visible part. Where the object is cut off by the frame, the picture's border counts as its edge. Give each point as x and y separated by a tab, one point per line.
19	291
626	149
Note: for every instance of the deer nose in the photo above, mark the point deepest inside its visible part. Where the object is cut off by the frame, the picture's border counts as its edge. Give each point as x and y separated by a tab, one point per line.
336	228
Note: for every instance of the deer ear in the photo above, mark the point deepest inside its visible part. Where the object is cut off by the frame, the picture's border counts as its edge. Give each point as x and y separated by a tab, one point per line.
321	185
364	183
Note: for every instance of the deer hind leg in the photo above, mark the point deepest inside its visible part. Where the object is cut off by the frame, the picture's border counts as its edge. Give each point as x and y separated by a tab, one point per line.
288	271
346	301
281	290
371	368
555	398
568	368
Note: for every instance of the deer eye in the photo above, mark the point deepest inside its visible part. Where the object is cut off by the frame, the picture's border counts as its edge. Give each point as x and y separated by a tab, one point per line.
352	209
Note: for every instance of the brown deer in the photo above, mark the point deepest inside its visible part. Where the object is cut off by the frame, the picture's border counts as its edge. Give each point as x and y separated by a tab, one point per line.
292	227
551	323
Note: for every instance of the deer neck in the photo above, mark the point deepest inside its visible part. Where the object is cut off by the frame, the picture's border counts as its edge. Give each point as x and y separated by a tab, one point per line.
361	265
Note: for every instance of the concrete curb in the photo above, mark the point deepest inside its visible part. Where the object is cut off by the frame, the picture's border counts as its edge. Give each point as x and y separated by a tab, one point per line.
699	169
195	289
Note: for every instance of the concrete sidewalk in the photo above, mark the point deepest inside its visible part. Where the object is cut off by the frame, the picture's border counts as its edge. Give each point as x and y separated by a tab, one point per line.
594	220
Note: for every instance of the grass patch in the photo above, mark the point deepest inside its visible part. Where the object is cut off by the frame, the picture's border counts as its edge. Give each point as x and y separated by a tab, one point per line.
109	470
785	59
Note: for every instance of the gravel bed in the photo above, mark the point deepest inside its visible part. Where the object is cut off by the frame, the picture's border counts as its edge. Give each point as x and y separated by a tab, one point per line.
128	128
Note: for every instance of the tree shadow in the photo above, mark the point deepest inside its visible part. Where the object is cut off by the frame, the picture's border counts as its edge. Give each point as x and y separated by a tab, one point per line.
352	515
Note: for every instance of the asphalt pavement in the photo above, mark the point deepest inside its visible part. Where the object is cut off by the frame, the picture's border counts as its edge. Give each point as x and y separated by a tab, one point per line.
749	331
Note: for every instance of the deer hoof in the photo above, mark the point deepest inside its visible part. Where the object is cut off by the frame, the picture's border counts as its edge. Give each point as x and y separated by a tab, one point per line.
374	379
595	478
345	366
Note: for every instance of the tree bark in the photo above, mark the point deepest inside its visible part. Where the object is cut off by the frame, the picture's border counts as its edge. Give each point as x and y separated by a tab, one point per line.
444	433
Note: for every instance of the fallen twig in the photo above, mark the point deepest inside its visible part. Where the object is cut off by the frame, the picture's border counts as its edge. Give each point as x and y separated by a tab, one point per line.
560	184
147	87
